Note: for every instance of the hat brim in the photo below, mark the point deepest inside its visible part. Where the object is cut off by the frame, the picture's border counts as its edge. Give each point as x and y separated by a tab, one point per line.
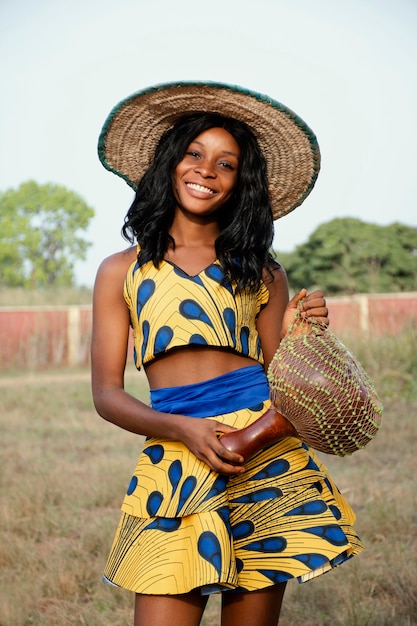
132	130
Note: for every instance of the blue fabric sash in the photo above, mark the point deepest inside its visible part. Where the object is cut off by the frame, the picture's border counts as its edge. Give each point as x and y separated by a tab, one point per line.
243	388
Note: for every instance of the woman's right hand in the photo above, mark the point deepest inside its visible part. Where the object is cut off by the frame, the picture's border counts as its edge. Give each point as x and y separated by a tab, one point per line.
201	436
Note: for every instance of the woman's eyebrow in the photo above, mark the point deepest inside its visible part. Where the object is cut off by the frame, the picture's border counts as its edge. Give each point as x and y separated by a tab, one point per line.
200	143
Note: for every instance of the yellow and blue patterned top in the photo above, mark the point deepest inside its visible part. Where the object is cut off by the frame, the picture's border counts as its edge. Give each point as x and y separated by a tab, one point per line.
170	309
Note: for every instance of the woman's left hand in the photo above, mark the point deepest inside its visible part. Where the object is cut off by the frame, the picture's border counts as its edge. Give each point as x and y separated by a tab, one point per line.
313	306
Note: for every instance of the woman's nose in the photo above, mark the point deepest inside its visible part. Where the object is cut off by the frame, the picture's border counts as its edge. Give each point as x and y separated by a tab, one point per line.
205	169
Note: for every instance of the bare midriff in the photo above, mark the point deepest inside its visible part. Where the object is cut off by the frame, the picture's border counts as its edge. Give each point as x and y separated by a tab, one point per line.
186	366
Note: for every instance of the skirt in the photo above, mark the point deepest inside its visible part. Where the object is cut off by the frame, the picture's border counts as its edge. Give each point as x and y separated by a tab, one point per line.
184	526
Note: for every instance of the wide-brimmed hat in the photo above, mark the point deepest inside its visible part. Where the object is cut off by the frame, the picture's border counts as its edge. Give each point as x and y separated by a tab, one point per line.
132	130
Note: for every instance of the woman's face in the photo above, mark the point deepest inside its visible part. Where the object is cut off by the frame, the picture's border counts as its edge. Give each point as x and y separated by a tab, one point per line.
206	176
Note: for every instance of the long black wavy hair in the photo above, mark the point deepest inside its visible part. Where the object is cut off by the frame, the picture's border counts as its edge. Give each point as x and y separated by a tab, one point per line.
245	222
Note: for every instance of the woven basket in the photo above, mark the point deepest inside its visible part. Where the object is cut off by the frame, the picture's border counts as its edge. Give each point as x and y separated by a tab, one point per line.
320	387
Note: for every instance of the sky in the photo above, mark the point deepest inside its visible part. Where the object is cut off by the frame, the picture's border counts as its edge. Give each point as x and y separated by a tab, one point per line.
347	67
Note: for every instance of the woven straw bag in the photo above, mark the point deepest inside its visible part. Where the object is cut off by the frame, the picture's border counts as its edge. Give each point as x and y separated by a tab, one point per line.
321	388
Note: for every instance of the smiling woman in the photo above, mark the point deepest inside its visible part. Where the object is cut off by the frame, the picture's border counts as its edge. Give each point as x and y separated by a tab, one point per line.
205	178
212	166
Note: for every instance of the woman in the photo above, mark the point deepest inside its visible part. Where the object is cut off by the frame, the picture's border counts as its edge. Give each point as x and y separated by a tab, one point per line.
213	166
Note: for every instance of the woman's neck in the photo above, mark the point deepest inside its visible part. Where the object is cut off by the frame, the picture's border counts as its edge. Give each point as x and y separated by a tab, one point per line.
194	248
194	233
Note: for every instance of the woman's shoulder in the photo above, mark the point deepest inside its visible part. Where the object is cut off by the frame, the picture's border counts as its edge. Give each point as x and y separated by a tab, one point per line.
116	265
274	275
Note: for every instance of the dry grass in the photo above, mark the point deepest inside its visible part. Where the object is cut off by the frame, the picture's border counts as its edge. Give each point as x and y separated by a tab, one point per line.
63	473
48	296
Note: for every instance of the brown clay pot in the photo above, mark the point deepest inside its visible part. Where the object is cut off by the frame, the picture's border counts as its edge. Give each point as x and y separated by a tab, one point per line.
266	430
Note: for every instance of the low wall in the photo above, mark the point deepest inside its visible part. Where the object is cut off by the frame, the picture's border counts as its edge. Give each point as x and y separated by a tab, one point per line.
43	337
365	315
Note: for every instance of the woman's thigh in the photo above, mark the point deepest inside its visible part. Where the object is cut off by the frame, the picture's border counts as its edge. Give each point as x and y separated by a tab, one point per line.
176	610
254	608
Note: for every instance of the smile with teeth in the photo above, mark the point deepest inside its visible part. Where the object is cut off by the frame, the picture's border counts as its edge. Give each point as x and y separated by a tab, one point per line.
199	188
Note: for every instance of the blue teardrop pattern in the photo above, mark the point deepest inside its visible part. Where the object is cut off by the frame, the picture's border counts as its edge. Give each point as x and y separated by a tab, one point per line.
276	576
175	475
187	488
312	560
244	340
216	273
217	487
328	485
224	514
229	317
268	493
192	310
332	533
336	511
145	335
243	529
132	485
155	453
162	339
210	550
314	507
154	502
239	565
312	465
319	487
271	544
198	340
166	524
146	290
275	468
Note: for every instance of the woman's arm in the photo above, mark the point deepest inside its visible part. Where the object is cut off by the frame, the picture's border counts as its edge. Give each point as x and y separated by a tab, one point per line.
270	319
109	349
108	357
275	319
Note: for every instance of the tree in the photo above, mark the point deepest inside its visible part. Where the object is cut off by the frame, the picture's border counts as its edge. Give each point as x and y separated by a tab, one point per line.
346	256
40	235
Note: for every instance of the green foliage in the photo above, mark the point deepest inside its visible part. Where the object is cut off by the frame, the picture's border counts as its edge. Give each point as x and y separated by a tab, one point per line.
40	235
346	256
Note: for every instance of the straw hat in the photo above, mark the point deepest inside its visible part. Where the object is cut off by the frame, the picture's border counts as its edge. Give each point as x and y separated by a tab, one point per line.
132	130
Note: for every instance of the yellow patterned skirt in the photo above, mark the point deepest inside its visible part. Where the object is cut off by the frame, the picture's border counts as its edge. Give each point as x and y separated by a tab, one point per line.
184	526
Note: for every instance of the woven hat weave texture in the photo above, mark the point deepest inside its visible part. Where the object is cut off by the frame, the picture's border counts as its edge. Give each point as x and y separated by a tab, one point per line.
132	130
320	387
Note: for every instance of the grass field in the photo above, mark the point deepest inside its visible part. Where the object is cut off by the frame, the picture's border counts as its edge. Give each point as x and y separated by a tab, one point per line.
50	296
64	470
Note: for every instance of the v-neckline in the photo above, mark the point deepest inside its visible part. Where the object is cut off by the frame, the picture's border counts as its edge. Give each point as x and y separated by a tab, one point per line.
215	262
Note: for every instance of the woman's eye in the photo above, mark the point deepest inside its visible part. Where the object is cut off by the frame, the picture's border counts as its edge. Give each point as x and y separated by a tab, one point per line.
226	165
193	154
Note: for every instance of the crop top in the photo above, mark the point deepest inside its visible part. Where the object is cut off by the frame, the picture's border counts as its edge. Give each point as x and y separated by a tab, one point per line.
170	309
